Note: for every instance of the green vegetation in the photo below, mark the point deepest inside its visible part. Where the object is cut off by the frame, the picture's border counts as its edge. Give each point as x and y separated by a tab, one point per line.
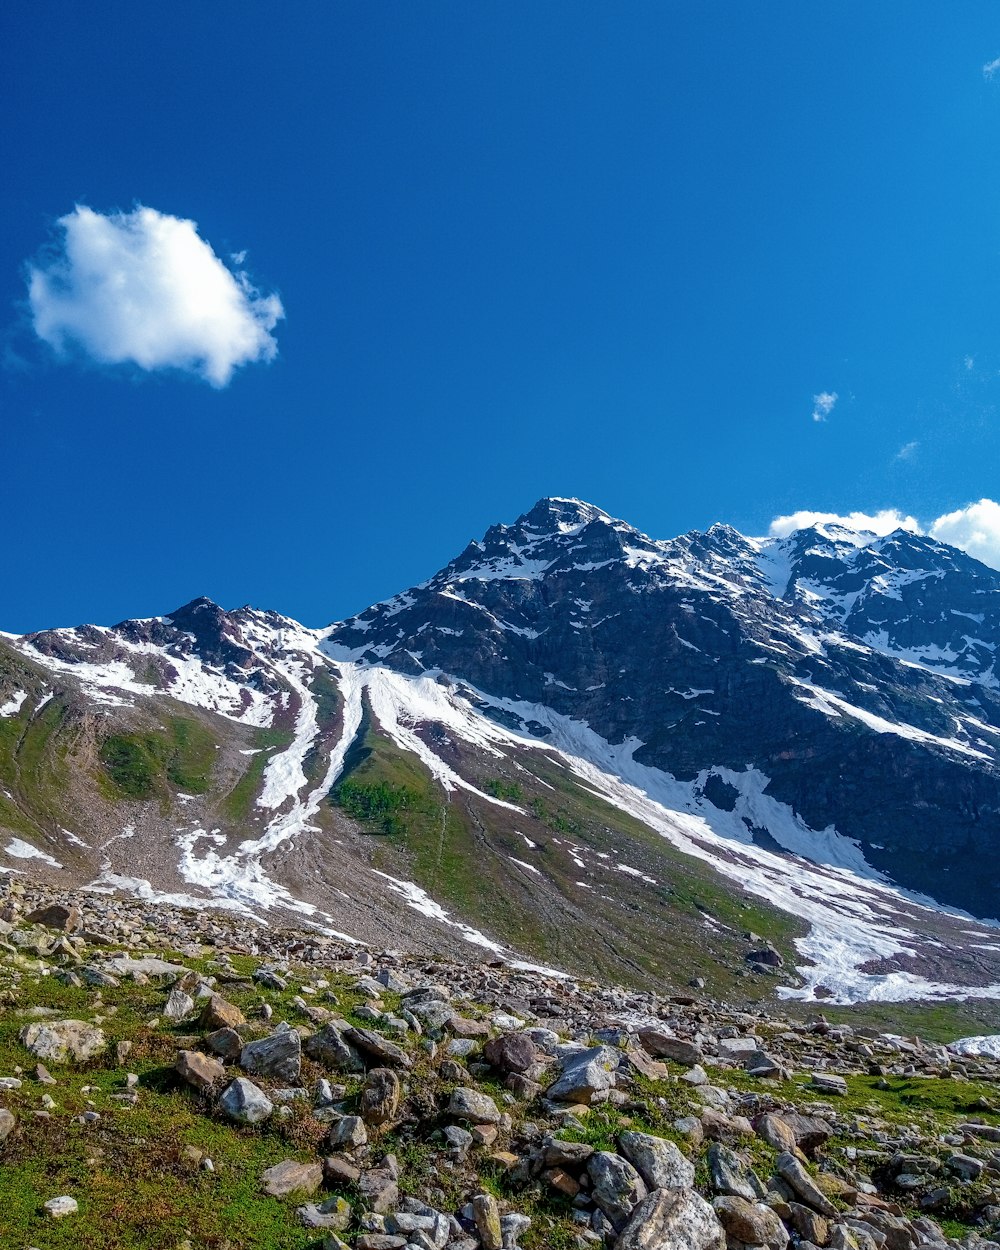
509	791
378	803
139	764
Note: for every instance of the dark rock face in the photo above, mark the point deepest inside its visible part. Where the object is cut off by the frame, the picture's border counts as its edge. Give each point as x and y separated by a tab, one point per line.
854	672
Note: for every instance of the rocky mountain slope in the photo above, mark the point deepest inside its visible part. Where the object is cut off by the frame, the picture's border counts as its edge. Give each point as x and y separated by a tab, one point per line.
178	1078
769	764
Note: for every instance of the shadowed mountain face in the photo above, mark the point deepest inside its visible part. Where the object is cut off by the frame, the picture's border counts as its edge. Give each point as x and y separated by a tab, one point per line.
619	739
856	672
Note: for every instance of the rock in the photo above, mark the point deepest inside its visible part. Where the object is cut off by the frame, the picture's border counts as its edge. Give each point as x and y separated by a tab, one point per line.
571	1154
470	1104
616	1186
244	1102
279	1055
220	1014
750	1222
330	1046
487	1217
776	1131
658	1161
177	1006
57	1208
829	1083
585	1074
7	1123
226	1043
730	1175
673	1219
664	1046
765	955
511	1052
380	1096
289	1177
809	1226
340	1171
376	1045
794	1174
57	916
199	1070
378	1190
333	1215
349	1132
59	1041
964	1166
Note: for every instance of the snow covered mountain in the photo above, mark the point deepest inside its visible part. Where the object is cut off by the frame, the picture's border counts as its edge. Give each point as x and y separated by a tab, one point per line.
573	743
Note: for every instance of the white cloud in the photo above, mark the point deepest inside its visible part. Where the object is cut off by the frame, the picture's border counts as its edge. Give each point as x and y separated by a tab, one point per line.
907	451
882	522
144	288
975	528
823	404
991	67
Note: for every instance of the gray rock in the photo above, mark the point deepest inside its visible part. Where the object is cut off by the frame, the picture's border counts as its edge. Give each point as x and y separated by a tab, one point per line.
584	1074
664	1046
290	1177
380	1048
658	1161
333	1216
794	1174
329	1046
59	1041
673	1219
380	1096
349	1132
7	1123
178	1005
474	1106
60	1207
244	1102
730	1175
487	1216
279	1055
753	1223
616	1186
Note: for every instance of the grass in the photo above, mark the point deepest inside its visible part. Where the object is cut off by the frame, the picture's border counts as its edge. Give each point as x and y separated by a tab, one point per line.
140	765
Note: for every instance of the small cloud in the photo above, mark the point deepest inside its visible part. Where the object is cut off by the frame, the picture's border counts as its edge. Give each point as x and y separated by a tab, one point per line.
975	528
907	451
969	362
882	522
823	404
991	68
144	288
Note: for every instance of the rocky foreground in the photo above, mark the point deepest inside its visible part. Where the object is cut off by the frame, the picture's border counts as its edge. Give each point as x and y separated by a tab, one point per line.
174	1079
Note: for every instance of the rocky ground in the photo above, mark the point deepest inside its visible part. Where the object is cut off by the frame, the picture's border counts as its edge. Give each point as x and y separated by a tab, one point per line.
180	1080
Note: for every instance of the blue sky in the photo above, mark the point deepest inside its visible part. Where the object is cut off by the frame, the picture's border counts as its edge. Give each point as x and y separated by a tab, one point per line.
611	251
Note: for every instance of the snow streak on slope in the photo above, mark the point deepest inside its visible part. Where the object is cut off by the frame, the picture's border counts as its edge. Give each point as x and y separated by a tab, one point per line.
855	916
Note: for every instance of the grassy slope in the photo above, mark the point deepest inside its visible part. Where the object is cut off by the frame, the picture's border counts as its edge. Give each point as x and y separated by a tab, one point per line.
460	849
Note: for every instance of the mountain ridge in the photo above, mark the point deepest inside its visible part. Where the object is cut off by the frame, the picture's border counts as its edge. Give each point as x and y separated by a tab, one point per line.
838	735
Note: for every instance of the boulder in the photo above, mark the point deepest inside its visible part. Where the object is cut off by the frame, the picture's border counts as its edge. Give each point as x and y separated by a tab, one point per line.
616	1186
244	1102
673	1219
511	1052
198	1070
658	1161
380	1096
330	1047
57	916
59	1041
665	1046
220	1014
279	1055
474	1106
584	1074
753	1223
290	1177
